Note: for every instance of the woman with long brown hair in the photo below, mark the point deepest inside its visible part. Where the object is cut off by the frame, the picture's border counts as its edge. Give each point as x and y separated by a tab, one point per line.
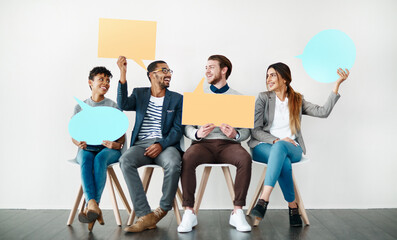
276	138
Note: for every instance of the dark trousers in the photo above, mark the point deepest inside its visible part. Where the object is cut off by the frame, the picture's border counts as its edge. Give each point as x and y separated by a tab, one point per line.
216	151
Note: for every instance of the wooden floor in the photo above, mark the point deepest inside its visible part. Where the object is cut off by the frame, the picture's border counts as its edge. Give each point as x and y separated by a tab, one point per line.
213	224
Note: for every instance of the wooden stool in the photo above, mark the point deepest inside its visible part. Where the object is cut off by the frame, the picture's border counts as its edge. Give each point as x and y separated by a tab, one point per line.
298	197
110	180
204	179
147	176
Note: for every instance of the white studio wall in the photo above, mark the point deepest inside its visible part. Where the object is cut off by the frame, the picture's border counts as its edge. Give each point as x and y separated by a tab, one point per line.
48	48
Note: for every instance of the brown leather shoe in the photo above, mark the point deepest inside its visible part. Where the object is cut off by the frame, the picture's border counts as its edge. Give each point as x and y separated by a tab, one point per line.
100	219
83	216
159	213
91	226
93	210
143	223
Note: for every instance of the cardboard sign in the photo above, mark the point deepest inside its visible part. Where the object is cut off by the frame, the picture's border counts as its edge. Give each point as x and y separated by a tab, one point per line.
135	40
200	108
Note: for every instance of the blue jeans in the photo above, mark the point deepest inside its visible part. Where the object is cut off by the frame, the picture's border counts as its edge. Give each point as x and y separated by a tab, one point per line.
279	157
93	170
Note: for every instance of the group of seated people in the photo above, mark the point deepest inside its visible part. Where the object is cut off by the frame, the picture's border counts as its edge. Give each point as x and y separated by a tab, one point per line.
276	140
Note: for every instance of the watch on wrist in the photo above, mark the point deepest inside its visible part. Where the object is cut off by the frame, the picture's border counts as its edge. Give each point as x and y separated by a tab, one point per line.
237	136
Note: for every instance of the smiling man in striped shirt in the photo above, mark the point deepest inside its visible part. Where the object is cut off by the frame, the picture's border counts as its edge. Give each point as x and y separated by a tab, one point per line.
155	139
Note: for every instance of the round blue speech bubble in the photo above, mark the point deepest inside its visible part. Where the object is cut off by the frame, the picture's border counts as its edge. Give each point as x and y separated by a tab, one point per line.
326	52
96	124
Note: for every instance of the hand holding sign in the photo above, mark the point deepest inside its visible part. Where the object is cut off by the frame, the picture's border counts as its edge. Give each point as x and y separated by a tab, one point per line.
326	51
122	63
228	130
93	125
204	130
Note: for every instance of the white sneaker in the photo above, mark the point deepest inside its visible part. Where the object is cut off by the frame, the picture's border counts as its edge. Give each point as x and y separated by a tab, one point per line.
189	221
238	221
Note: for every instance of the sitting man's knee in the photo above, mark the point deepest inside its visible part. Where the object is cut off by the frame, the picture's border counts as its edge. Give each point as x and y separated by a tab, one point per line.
191	158
174	166
246	161
126	162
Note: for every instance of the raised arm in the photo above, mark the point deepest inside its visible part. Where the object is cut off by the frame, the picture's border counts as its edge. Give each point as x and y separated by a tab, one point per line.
123	101
315	110
122	64
343	75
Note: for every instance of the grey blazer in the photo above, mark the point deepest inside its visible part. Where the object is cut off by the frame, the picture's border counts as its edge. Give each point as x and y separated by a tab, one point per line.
264	116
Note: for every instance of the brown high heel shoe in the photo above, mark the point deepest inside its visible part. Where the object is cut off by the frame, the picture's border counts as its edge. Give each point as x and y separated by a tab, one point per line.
91	225
83	216
100	218
93	210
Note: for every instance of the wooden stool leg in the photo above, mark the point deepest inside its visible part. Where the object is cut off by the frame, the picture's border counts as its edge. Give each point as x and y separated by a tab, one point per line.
75	206
299	200
119	189
177	213
258	191
131	218
256	222
179	195
229	181
82	205
147	176
203	184
113	198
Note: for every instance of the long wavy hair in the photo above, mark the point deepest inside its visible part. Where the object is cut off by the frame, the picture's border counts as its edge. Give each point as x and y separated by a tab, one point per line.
294	98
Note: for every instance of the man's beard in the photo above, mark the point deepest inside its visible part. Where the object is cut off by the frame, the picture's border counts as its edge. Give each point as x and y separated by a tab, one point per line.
164	86
216	79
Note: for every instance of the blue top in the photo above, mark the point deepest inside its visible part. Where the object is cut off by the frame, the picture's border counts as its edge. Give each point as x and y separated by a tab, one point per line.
221	90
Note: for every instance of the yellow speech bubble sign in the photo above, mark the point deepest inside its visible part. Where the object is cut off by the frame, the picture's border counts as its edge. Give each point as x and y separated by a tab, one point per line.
133	39
200	108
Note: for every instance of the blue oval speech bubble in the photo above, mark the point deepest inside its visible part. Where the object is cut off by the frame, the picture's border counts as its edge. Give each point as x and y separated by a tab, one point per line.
96	124
326	52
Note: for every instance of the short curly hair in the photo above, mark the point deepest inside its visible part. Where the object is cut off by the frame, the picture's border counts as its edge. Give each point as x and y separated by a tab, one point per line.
99	70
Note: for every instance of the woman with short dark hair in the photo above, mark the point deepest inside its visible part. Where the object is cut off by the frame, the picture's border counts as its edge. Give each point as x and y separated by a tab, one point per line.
94	159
